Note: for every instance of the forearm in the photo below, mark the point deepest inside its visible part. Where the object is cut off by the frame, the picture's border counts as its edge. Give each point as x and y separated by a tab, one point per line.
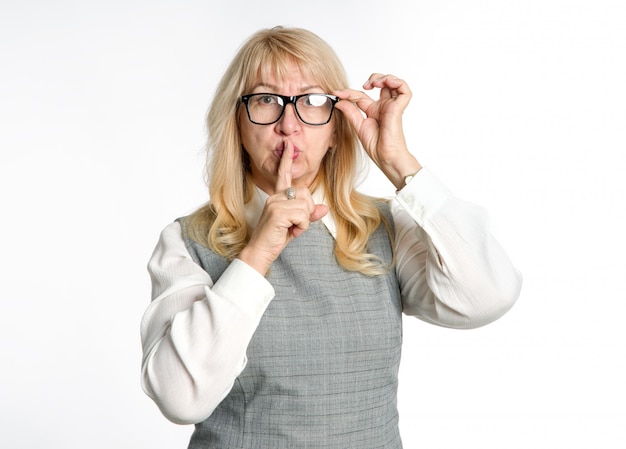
452	270
195	333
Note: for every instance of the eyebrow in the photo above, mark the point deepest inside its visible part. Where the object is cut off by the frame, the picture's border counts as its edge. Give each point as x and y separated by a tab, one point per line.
275	88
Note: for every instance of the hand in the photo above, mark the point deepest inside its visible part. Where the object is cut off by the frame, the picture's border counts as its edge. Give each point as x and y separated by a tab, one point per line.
380	130
282	219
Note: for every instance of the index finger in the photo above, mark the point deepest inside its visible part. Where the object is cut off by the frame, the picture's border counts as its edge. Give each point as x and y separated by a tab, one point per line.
380	80
284	168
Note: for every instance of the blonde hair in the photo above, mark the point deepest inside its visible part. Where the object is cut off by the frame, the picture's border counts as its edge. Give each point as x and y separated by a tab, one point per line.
221	223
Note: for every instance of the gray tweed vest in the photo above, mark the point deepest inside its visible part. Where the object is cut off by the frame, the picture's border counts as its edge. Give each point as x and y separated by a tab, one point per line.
323	364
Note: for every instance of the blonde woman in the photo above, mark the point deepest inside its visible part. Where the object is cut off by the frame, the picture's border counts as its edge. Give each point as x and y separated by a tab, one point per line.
275	320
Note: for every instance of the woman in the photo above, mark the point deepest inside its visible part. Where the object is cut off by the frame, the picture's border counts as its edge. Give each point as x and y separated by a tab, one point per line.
276	312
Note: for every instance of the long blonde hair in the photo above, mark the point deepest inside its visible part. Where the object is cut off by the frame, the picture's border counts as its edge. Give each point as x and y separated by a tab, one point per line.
221	223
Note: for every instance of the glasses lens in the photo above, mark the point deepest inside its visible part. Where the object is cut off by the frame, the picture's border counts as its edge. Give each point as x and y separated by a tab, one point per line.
314	109
265	108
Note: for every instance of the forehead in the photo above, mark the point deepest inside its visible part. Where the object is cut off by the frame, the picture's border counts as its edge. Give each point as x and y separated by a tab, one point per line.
286	75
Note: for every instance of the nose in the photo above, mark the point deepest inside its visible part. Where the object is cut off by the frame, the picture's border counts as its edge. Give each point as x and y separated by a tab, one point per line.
289	122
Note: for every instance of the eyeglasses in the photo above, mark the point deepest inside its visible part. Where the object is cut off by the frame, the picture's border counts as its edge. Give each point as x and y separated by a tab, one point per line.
312	109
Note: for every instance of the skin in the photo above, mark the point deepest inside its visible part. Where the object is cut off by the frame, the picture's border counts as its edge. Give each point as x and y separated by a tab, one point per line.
289	153
265	144
380	130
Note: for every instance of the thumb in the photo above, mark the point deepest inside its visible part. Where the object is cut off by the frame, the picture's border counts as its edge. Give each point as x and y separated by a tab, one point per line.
352	113
320	211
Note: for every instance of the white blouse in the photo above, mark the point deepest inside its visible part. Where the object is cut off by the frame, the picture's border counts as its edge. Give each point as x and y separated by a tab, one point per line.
195	332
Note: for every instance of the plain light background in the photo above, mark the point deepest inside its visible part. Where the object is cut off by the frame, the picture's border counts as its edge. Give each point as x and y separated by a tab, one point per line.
519	105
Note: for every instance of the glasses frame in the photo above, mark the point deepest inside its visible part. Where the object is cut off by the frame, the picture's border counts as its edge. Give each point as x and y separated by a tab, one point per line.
293	100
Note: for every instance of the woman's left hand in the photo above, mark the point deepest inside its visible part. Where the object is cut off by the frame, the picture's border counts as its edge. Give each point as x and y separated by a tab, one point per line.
380	130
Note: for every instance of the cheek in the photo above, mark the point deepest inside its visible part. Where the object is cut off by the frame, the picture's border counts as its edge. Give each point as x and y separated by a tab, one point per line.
332	139
250	138
244	128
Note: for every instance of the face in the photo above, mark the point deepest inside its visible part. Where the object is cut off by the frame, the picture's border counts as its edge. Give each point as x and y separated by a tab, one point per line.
264	143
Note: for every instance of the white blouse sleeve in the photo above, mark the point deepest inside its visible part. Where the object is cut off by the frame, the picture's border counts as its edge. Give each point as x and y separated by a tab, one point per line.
195	332
452	272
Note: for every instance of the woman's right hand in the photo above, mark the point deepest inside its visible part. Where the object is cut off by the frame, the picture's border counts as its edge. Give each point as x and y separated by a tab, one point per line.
282	219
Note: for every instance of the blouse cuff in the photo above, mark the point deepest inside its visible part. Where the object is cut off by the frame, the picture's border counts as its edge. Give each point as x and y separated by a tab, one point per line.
245	287
423	196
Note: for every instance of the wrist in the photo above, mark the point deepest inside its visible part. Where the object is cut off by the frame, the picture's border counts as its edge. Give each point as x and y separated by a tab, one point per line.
402	172
255	259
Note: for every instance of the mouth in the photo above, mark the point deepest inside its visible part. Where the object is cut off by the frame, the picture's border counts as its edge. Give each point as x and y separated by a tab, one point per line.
281	148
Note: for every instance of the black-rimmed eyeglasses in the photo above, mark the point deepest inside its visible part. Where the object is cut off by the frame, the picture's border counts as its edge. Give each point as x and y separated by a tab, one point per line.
312	109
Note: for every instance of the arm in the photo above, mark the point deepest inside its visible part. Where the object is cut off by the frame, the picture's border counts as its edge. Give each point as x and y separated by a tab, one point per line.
452	271
195	332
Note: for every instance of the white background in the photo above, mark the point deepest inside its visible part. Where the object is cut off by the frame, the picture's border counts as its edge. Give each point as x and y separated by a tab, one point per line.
519	105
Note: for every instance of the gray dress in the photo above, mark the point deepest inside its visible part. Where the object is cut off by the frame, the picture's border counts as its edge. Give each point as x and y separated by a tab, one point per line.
323	364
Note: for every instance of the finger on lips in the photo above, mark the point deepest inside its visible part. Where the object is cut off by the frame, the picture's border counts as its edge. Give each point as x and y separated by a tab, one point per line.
283	181
297	200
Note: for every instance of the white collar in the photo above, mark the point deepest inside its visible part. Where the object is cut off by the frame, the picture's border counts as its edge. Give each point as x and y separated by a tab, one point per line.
255	206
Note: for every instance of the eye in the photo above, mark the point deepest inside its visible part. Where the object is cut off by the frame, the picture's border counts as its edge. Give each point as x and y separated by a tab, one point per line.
316	100
268	99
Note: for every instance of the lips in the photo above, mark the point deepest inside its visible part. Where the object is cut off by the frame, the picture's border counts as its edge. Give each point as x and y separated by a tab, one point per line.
279	151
